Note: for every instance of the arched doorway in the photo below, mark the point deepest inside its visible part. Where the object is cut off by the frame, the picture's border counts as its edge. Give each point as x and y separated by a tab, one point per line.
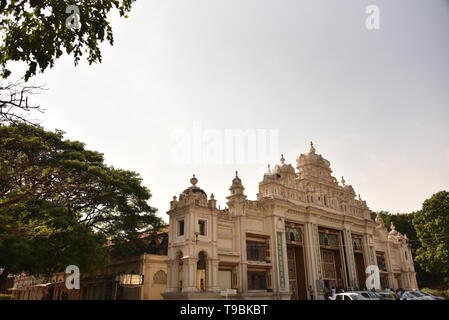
201	267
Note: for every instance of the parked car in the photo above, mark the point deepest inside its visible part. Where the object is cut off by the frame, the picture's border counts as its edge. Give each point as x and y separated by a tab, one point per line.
385	295
369	295
349	296
414	295
431	296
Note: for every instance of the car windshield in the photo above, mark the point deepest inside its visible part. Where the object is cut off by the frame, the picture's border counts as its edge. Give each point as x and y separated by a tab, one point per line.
416	294
365	294
357	297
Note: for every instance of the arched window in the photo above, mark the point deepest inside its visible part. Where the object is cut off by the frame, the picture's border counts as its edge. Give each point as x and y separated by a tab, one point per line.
292	236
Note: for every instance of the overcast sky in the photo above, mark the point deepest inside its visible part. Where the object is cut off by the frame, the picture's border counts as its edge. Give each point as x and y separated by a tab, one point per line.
375	103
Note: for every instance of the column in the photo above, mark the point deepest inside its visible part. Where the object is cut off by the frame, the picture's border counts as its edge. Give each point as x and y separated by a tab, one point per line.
189	275
280	260
172	278
241	246
212	275
313	259
388	264
349	253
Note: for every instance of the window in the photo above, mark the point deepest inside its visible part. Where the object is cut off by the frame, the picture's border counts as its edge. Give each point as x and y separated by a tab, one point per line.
256	251
257	280
180	227
202	227
381	262
293	234
329	240
357	244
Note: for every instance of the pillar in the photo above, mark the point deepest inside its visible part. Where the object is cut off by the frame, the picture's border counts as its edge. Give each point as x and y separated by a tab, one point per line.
349	253
189	275
313	257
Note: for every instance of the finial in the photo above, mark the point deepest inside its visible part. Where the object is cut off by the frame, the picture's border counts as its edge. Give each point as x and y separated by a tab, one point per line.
282	159
360	197
194	181
343	180
269	169
174	198
236	174
212	196
312	148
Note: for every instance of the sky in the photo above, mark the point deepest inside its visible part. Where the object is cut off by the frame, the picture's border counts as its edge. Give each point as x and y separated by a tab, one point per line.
183	76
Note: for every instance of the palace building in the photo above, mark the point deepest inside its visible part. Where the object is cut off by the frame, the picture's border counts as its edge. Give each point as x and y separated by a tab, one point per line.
305	234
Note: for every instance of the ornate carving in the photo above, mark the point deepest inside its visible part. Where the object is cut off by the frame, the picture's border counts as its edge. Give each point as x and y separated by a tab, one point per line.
160	277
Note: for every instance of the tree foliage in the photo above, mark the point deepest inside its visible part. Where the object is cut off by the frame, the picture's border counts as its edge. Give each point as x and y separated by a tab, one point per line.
432	228
404	224
35	31
61	205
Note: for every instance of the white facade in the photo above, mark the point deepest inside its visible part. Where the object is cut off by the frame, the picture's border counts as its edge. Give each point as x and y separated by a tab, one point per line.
304	235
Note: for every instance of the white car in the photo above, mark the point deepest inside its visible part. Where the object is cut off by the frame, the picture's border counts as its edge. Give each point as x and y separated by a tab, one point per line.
369	295
349	296
431	296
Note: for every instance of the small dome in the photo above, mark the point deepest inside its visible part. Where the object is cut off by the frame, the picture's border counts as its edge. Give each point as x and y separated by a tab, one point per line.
193	194
236	182
192	190
287	168
284	168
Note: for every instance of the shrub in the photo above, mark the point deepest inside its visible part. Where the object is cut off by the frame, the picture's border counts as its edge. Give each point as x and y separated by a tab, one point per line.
437	292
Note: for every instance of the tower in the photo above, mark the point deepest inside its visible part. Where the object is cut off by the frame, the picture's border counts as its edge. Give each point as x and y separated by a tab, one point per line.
192	248
237	199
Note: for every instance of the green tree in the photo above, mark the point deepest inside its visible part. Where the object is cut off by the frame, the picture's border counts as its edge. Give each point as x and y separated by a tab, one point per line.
61	205
432	228
35	31
404	224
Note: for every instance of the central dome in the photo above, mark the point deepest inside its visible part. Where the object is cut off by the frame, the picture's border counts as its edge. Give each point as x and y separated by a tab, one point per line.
312	158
